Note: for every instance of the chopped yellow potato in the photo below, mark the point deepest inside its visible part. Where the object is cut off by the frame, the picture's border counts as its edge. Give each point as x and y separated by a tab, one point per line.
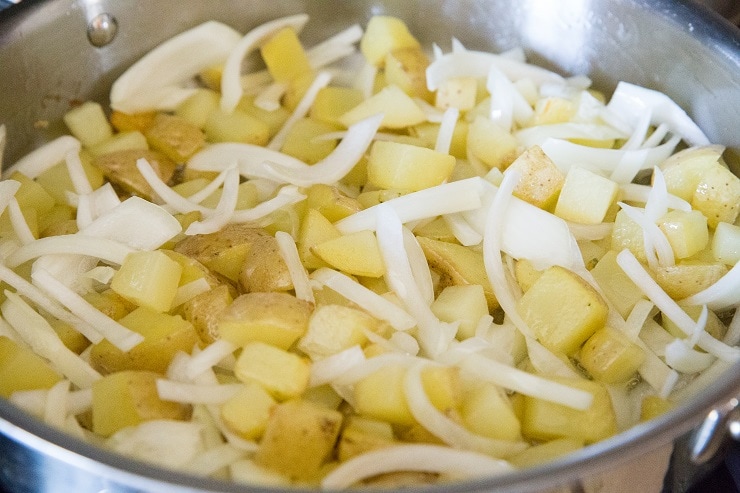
284	55
22	369
283	374
609	356
398	108
355	254
148	278
247	412
88	123
393	165
383	35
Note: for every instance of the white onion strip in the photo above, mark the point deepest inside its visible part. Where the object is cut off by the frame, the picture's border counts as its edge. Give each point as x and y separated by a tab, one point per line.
224	209
249	158
210	461
174	200
268	99
77	173
335	47
209	357
287	195
637	273
107	250
332	367
464	233
456	196
721	295
425	458
188	291
8	188
18	221
231	86
55	411
188	393
118	335
298	274
633	192
367	299
42	158
446	130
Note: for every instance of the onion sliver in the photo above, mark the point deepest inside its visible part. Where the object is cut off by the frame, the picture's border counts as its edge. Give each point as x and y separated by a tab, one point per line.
107	250
42	158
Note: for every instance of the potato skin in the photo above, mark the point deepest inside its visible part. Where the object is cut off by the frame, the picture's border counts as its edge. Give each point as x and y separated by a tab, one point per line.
119	168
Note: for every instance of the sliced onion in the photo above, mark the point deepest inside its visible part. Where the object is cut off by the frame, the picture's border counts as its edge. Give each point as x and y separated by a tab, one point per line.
225	208
77	174
446	129
188	291
8	188
170	390
42	158
268	99
334	48
249	157
464	233
287	195
538	134
298	274
209	357
210	461
633	192
107	250
721	295
332	367
18	221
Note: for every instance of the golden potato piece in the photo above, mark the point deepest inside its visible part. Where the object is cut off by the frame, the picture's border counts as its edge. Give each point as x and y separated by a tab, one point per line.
119	167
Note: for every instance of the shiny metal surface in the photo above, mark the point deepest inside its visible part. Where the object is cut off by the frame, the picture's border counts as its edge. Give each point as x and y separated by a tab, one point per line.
48	63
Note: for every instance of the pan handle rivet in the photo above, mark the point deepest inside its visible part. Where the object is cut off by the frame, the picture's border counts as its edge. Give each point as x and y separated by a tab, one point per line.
102	29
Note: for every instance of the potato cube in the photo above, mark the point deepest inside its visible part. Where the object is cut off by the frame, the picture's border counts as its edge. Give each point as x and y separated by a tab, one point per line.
492	144
562	309
133	140
398	108
610	357
120	169
246	198
546	452
683	170
355	254
653	406
204	311
302	142
406	68
275	119
383	35
299	439
626	233
56	180
297	89
175	137
688	277
274	318
32	195
545	420
69	336
148	278
381	396
128	398
127	122
236	126
457	265
22	369
717	195
361	435
110	303
615	284
88	123
541	180
315	229
331	202
333	101
284	55
49	223
198	107
457	92
585	197
443	387
164	335
429	131
552	109
334	328
713	327
284	375
393	165
248	411
525	274
465	303
686	232
726	243
487	411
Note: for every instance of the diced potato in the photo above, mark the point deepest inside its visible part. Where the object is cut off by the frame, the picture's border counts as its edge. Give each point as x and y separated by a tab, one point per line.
393	165
334	328
120	168
525	274
128	398
69	336
315	229
148	278
585	197
653	406
297	88
383	35
487	411
274	318
88	123
464	303
457	265
438	229
204	310
398	108
562	309
610	357
284	55
544	420
687	278
192	269
299	438
443	387
381	395
22	369
726	243
56	180
713	327
615	284
246	198
127	122
264	268
331	202
457	92
284	375
274	119
110	303
552	109
236	126
247	412
546	452
198	107
686	232
541	180
429	131
333	101
355	254
164	335
683	170
628	234
406	68
133	140
492	144
175	137
29	215
32	195
48	224
302	142
717	195
361	435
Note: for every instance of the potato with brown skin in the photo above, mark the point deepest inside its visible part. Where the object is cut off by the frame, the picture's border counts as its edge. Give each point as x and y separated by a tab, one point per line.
119	168
203	311
264	268
175	137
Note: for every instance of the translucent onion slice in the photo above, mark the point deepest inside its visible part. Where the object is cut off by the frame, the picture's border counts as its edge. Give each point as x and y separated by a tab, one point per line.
208	357
287	195
298	274
464	233
637	273
249	158
591	232
156	81
210	461
456	464
20	227
55	411
538	134
367	299
224	209
77	174
231	87
334	48
102	248
41	337
723	294
457	196
630	102
188	291
332	367
168	443
657	248
42	158
8	188
268	99
446	429
446	129
188	393
633	192
337	164
172	199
